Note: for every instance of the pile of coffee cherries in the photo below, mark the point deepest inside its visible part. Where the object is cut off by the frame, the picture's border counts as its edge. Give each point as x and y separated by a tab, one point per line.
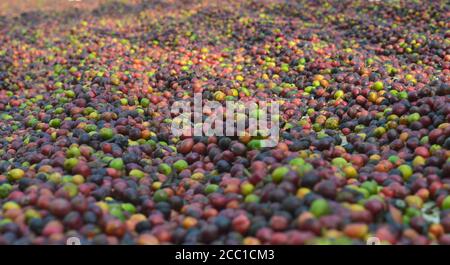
87	150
